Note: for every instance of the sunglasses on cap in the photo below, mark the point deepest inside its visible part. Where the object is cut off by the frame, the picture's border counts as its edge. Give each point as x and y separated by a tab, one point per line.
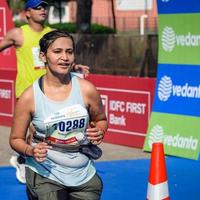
40	7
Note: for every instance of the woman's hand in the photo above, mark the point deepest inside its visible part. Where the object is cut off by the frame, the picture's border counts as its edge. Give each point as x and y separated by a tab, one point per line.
40	151
95	135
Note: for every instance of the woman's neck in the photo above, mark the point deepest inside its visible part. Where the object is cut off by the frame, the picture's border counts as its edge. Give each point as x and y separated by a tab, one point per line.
57	81
56	89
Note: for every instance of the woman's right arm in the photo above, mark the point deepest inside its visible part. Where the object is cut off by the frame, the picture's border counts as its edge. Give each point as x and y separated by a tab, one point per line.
22	118
21	121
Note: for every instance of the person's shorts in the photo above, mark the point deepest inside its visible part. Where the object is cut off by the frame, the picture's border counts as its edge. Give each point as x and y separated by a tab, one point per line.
42	188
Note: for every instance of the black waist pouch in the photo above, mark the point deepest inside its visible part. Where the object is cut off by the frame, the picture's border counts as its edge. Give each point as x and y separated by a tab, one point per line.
91	150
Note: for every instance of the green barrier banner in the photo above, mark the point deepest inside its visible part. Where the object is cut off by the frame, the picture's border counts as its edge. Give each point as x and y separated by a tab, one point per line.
179	39
178	134
175	117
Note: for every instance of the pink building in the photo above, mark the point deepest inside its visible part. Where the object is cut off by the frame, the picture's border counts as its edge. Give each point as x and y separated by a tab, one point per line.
130	15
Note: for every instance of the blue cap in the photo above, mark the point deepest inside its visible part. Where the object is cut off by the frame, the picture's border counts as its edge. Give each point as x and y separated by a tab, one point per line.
34	3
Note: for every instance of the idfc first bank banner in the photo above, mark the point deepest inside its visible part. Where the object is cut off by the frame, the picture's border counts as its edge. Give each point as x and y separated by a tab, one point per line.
175	118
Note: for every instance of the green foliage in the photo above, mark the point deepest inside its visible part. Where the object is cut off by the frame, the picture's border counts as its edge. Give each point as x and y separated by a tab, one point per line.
97	28
71	27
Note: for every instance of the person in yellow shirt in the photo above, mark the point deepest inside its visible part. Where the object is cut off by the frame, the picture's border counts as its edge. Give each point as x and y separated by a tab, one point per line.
29	67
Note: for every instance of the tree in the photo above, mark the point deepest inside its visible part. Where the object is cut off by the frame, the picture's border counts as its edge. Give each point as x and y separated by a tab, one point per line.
113	14
83	16
57	4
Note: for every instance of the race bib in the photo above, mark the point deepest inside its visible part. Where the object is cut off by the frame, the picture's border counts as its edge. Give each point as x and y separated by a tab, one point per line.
38	64
63	126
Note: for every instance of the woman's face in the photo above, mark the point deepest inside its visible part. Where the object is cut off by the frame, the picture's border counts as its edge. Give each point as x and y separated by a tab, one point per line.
60	55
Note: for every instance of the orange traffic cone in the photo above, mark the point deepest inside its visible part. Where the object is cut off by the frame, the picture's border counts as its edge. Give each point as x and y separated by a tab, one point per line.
158	185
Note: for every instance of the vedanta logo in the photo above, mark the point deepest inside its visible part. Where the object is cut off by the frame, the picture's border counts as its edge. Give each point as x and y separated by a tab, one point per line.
170	39
166	89
157	134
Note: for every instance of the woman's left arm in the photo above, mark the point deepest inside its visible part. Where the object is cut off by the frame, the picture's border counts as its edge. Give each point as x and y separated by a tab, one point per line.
98	120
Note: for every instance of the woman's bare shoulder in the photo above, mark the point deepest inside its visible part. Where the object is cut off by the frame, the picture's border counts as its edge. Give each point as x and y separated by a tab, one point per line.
26	99
86	85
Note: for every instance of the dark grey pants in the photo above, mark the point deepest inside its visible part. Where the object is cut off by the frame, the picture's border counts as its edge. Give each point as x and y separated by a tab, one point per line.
42	188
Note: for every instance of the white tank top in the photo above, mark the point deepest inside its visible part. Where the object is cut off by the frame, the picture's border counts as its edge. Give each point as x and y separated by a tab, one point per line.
62	122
